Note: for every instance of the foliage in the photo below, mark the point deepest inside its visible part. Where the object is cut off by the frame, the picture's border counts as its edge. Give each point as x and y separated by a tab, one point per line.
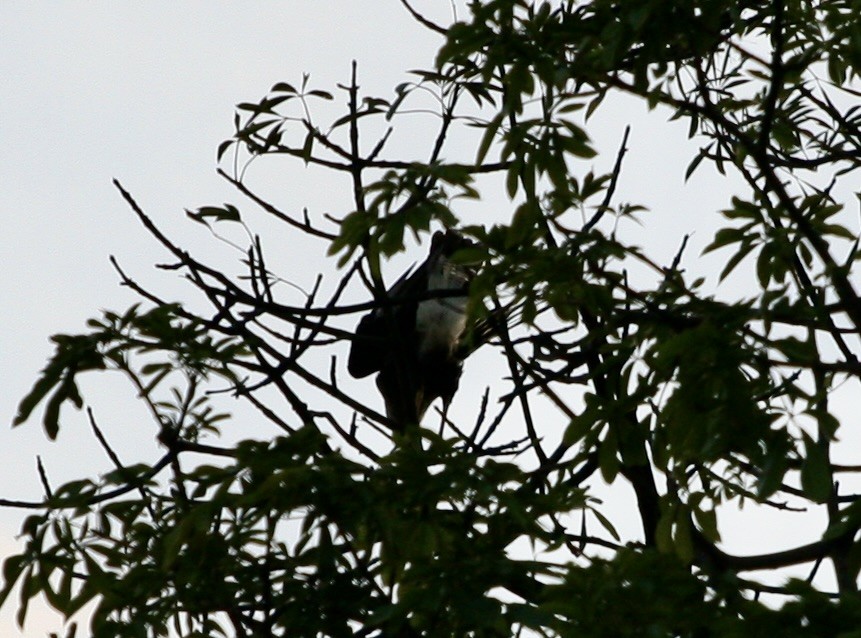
697	399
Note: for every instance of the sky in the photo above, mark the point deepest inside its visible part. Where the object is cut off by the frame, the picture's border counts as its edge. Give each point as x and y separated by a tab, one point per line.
144	92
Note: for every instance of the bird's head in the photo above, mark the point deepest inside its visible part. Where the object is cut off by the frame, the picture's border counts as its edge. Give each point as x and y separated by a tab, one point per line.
444	273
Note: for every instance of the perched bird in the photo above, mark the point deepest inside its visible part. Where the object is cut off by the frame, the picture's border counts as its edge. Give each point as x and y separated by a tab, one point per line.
415	341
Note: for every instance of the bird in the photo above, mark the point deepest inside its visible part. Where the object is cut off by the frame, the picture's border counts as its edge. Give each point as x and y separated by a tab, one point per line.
415	340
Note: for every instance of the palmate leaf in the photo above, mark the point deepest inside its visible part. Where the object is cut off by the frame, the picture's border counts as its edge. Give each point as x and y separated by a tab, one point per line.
73	354
114	340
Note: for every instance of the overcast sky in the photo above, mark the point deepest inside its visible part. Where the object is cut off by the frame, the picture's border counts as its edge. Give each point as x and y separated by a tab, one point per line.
144	92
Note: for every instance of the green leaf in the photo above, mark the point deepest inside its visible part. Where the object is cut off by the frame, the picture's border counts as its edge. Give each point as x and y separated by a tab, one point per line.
247	132
51	417
512	177
664	530
50	377
29	589
523	225
606	524
736	259
283	87
684	543
222	148
488	138
308	147
838	231
227	213
742	209
771	476
816	480
724	237
401	92
608	462
695	163
578	427
321	94
765	265
707	521
13	567
796	350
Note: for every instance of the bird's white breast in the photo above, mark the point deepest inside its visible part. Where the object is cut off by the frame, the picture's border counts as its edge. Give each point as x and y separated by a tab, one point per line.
441	322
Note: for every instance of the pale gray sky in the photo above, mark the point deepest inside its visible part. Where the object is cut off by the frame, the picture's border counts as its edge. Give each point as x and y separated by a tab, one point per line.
144	92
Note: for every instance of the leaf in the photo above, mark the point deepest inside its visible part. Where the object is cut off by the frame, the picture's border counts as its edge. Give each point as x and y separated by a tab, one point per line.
488	137
155	367
352	117
264	106
248	106
375	103
772	475
251	129
595	103
827	423
796	350
308	147
816	480
13	567
743	210
695	163
402	90
838	231
222	148
607	459
512	177
578	427
765	265
228	213
283	87
50	377
684	543
664	530
523	225
29	588
51	417
707	521
606	524
725	237
735	260
321	94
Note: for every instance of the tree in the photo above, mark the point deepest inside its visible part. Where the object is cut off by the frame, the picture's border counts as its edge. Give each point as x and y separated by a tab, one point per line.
620	369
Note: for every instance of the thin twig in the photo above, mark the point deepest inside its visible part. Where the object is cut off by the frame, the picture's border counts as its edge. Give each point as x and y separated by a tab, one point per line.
611	188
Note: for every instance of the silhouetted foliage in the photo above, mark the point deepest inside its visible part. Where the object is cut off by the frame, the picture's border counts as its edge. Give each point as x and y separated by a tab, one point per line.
615	366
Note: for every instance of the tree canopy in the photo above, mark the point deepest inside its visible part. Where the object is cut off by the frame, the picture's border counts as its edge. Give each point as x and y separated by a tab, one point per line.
614	367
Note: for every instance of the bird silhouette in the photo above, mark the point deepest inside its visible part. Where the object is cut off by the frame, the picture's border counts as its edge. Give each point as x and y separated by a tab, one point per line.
414	341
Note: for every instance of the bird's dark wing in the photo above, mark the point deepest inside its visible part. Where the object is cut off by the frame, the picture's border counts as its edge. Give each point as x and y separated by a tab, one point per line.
369	351
365	350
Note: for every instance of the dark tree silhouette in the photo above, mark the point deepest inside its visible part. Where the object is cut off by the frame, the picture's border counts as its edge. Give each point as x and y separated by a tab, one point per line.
619	368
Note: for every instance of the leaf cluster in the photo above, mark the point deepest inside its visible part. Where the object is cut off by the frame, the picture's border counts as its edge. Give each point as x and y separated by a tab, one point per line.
619	368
